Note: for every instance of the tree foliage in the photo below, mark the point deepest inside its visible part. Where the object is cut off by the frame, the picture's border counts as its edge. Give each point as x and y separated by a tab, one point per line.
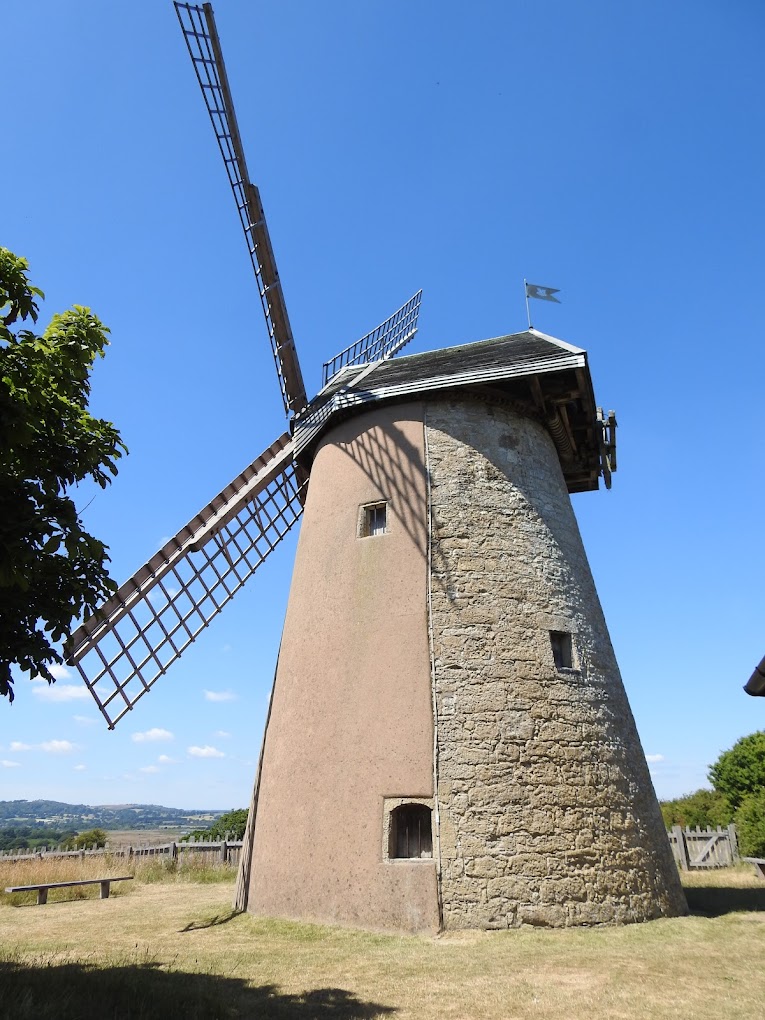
740	771
705	808
232	824
51	570
750	824
31	837
91	839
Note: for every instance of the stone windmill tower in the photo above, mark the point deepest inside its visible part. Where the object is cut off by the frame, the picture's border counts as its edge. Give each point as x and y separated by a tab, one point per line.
449	743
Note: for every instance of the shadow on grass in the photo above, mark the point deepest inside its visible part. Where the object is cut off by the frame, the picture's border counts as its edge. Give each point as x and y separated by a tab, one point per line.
143	991
212	922
710	901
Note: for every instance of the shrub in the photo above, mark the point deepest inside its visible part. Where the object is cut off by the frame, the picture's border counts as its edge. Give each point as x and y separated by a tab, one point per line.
750	822
91	839
232	824
705	808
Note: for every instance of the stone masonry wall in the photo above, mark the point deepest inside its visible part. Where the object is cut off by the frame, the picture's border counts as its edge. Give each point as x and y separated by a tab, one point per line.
547	811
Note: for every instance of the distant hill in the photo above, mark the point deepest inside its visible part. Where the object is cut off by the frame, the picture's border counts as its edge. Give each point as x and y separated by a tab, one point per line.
55	814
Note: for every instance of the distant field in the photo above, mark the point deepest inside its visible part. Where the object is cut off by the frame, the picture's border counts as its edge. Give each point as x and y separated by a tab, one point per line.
172	949
143	837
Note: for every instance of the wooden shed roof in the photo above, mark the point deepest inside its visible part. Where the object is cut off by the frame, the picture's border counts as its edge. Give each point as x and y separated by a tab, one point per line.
535	374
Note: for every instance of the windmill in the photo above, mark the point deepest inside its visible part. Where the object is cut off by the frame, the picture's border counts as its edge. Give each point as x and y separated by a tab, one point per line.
448	743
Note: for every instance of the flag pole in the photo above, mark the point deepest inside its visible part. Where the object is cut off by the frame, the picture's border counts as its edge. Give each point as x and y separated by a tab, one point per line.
526	292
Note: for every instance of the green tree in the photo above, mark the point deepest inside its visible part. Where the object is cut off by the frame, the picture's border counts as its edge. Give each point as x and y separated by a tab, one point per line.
705	808
750	823
233	824
741	770
92	839
51	570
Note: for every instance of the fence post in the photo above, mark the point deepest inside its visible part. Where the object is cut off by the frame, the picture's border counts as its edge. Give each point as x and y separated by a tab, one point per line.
682	849
733	840
223	851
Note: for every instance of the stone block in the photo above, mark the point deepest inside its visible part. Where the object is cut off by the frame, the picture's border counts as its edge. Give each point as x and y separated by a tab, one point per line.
481	867
542	916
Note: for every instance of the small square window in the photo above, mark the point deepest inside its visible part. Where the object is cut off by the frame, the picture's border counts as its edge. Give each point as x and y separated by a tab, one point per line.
374	520
562	649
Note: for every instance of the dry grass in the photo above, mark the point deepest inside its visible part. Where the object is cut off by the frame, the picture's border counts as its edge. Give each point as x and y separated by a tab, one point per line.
743	876
169	950
191	868
142	837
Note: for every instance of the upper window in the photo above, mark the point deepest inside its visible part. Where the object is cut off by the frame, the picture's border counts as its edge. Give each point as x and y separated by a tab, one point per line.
562	649
374	520
411	833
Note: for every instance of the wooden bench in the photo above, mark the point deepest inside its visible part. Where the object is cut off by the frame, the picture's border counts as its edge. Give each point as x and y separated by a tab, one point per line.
43	887
759	864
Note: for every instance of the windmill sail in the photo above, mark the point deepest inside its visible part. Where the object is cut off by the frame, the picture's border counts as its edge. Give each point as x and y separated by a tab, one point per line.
145	626
201	36
383	342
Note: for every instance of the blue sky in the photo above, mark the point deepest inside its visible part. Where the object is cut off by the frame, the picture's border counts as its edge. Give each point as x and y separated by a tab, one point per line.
611	150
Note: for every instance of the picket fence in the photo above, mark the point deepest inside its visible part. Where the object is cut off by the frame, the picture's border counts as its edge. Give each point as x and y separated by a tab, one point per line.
692	848
225	851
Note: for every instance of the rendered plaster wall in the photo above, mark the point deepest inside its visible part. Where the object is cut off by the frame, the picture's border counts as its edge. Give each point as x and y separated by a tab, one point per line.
352	720
547	811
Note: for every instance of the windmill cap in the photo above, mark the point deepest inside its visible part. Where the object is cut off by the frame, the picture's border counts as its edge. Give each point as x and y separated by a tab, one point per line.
536	374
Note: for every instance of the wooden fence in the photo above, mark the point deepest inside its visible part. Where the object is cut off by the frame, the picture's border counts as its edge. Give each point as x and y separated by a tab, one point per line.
224	851
704	848
692	848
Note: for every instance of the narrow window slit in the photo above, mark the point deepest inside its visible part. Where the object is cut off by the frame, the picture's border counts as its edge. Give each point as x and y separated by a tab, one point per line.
562	649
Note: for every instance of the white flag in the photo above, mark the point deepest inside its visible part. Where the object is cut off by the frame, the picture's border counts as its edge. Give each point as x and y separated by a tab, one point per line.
543	293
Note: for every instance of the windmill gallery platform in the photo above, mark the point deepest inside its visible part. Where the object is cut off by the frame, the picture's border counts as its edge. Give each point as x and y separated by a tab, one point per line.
449	742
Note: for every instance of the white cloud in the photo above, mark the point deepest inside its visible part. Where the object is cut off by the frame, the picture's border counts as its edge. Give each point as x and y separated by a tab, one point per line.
158	598
80	768
61	692
9	764
222	733
57	746
220	696
165	759
653	759
85	720
57	671
152	735
205	752
49	746
150	768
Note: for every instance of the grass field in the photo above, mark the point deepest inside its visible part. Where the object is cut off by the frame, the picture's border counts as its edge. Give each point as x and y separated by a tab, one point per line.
173	948
142	837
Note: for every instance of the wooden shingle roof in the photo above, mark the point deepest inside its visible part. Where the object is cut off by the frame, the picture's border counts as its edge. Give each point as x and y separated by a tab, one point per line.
535	374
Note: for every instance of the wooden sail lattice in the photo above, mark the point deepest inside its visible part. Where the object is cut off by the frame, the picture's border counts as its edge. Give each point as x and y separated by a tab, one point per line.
200	33
383	341
140	631
136	635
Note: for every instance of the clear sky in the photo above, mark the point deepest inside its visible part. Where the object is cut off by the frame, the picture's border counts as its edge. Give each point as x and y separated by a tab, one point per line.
613	150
